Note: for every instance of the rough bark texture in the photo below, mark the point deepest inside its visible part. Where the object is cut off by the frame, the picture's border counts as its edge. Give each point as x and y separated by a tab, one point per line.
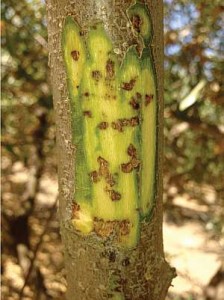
94	265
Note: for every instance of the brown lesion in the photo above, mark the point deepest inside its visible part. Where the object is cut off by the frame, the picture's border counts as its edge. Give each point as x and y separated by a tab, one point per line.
121	123
86	94
110	69
96	75
114	195
103	125
117	228
104	172
104	166
75	55
134	162
87	113
136	22
135	101
128	86
148	99
94	176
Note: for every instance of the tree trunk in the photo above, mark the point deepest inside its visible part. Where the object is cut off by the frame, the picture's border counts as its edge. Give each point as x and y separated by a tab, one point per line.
106	60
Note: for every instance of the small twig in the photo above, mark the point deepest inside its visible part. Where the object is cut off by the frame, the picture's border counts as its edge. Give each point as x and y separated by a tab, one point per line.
46	227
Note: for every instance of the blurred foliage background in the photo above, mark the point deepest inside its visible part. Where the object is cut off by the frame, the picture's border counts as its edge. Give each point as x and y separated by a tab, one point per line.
32	259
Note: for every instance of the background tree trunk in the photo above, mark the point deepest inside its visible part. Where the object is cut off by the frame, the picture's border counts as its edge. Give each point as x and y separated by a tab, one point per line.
98	268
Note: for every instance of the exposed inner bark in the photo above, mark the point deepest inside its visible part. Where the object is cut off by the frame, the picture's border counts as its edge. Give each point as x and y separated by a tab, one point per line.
97	265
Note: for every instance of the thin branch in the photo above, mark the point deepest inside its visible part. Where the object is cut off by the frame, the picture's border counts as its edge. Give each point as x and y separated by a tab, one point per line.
35	252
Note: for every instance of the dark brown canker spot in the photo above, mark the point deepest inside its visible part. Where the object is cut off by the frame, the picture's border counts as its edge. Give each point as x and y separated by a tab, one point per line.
103	162
103	125
96	75
106	228
148	99
86	94
134	121
104	171
87	113
110	69
127	168
117	126
134	163
75	55
125	227
136	22
128	86
104	166
131	150
134	104
110	180
115	196
120	123
103	228
94	176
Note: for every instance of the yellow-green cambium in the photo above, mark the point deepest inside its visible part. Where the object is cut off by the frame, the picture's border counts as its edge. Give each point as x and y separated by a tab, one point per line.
113	111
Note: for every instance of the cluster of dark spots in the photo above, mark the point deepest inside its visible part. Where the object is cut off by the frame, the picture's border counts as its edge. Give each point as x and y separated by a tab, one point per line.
134	102
96	75
134	162
103	228
125	262
102	172
103	125
94	176
114	196
110	69
128	86
121	123
136	22
75	55
110	96
87	113
106	228
148	99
